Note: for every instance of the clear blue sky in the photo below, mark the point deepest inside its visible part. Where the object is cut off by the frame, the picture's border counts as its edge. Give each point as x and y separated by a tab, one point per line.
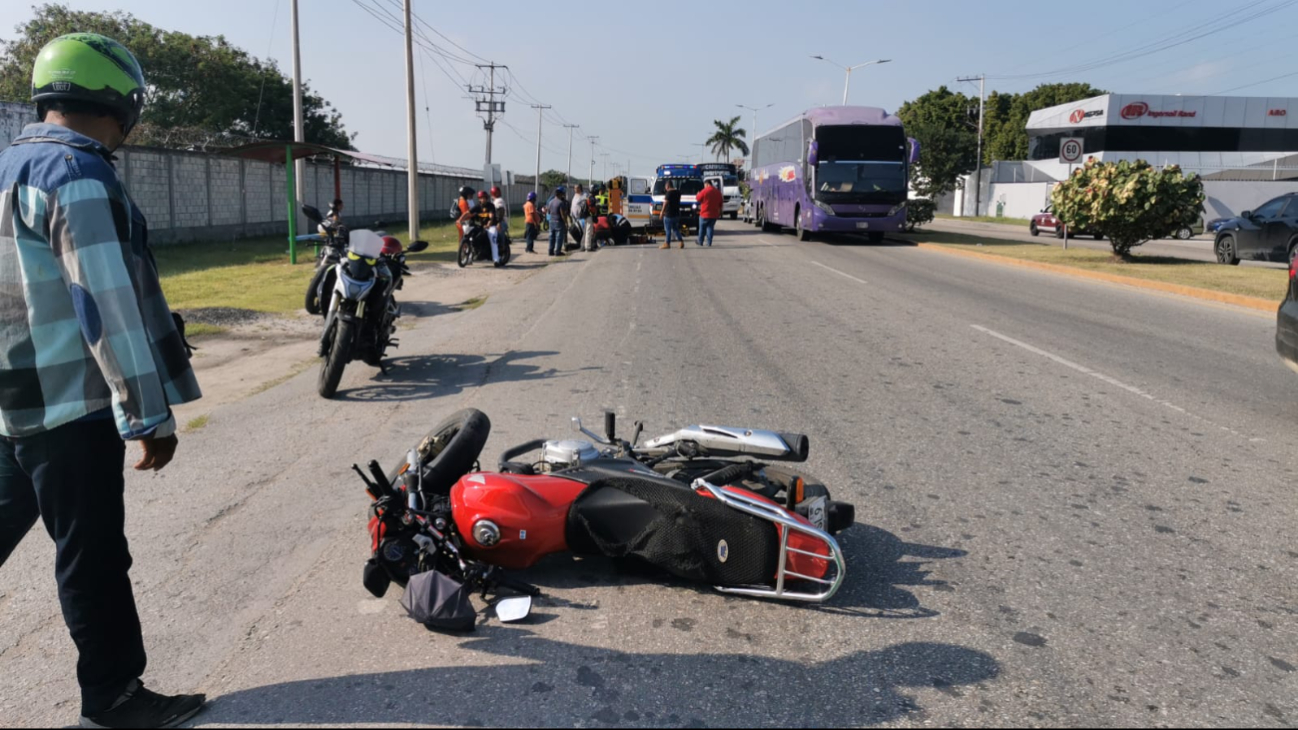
649	78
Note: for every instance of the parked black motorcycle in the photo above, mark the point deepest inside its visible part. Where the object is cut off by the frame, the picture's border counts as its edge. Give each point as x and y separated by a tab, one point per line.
333	239
361	314
476	245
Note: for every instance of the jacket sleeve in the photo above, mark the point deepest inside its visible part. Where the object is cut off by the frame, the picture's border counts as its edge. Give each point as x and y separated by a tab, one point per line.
90	234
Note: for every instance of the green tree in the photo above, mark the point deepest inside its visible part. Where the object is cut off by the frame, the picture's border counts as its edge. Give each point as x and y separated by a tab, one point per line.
728	136
946	125
1005	120
1128	202
202	89
551	179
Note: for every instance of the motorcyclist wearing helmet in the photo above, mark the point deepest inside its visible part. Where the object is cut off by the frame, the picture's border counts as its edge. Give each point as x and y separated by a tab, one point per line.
485	214
532	218
465	201
557	209
92	358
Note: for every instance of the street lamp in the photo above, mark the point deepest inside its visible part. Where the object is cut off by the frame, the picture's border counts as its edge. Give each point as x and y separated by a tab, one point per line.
849	69
754	110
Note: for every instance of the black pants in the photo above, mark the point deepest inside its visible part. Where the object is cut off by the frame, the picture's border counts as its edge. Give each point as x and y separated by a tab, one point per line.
71	478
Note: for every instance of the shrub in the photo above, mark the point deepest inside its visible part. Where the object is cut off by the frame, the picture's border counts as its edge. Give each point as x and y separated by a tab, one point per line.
918	212
1128	202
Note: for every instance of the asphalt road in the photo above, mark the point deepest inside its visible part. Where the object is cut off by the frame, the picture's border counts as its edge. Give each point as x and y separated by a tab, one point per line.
1198	248
1075	505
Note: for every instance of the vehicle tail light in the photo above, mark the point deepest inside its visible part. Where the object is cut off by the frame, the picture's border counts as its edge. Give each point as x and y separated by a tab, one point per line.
1293	262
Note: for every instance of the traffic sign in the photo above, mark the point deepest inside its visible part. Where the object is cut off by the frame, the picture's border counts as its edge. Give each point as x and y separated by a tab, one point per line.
1070	150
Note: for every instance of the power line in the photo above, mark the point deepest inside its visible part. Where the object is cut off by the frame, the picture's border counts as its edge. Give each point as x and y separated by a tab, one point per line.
1214	25
1256	83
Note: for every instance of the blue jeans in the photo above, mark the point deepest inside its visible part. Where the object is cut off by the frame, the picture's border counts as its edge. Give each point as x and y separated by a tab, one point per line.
558	237
706	225
670	226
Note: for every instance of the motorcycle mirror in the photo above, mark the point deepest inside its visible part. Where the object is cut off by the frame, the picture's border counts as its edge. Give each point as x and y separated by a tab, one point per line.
514	608
312	213
417	246
610	426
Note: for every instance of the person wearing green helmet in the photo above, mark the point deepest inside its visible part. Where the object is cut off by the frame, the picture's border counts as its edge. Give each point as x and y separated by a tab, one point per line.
90	357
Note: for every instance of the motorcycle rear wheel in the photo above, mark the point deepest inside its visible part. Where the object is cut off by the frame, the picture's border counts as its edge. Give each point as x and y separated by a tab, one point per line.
466	253
336	358
313	291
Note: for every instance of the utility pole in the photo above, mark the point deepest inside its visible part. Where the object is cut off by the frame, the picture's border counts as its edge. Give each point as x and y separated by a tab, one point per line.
299	130
702	146
570	128
978	170
754	110
540	115
604	156
412	166
486	102
593	140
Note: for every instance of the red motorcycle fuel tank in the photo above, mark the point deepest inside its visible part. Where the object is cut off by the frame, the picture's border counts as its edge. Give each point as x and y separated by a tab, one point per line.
530	515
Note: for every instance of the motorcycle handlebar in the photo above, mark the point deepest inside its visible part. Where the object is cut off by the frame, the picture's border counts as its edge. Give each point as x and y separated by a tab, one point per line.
507	458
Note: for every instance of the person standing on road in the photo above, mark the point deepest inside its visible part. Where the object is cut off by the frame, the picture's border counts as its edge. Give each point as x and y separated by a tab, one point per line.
580	211
672	215
532	227
709	211
558	211
90	357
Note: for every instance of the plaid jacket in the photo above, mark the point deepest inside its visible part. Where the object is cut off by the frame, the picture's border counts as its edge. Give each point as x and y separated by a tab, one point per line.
84	326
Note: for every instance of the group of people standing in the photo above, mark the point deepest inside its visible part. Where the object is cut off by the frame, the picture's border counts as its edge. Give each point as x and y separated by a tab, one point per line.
709	201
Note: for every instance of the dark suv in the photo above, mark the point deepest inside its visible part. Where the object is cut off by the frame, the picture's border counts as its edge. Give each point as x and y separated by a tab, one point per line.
1269	233
1286	326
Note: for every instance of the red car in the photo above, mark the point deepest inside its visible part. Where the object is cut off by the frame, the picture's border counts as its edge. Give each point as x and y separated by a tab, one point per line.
1046	221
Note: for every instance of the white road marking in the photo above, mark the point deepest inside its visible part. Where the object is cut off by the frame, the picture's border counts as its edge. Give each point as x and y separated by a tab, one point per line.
836	271
1101	376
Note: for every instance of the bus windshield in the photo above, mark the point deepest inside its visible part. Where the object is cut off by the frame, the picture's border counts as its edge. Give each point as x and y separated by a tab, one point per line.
861	164
687	185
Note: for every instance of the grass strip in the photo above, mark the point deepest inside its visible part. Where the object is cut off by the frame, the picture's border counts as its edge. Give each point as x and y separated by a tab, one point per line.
255	273
985	219
1248	281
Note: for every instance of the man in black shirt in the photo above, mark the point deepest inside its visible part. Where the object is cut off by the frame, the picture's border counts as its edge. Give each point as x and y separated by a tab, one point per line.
672	215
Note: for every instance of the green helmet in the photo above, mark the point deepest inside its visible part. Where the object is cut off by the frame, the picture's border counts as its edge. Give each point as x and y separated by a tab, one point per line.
90	68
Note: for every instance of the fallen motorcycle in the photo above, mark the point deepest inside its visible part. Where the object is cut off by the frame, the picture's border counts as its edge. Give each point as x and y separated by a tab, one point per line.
700	504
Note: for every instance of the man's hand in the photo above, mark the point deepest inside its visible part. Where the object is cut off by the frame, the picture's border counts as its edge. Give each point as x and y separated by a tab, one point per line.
158	452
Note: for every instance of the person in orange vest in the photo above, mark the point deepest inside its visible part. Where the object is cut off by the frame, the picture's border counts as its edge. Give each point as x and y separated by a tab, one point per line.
533	218
466	193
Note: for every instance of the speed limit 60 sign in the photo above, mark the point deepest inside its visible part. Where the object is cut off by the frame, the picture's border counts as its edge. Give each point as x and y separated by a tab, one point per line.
1070	150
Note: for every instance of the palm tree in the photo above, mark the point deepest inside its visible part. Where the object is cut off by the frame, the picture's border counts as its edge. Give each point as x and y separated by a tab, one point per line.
728	137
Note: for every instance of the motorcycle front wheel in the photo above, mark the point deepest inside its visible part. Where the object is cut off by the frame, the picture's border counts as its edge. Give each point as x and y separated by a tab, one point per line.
466	253
336	358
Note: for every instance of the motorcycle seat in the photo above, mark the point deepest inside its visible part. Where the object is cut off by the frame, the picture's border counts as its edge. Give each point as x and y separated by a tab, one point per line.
663	523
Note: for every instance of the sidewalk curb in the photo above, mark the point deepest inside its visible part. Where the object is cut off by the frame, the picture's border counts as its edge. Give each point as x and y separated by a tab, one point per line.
1238	300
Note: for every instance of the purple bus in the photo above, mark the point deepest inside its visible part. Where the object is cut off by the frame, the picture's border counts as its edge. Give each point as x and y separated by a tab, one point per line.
833	169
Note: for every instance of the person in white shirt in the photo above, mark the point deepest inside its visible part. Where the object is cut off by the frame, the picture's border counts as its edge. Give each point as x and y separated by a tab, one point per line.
501	209
581	211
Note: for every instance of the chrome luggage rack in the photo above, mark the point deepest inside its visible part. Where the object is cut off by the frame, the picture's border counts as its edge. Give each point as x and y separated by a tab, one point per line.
763	510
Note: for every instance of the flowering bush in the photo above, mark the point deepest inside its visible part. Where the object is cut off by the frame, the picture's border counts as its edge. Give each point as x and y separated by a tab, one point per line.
1128	202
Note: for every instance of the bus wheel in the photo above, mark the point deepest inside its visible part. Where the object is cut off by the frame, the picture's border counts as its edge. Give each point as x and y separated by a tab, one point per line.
803	233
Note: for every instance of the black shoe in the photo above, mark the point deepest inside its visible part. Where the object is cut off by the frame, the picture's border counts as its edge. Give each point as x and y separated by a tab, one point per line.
138	707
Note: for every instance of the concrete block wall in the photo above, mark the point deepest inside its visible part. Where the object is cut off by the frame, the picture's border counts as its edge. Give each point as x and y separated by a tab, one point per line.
192	196
189	191
148	180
